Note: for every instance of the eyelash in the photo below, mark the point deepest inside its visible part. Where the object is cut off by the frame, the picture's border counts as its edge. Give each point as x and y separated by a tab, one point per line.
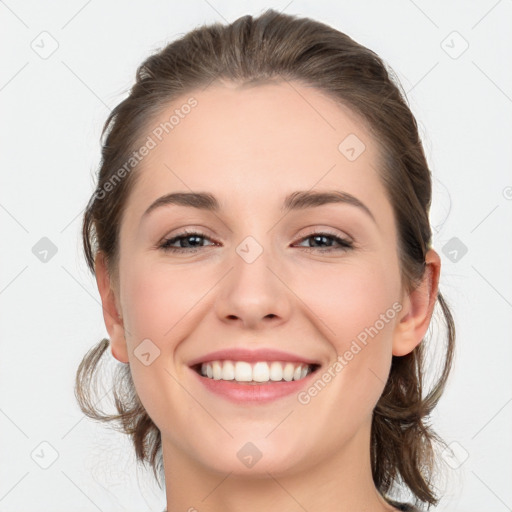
345	244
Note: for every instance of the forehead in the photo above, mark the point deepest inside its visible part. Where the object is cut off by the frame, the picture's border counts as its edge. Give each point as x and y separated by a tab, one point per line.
248	143
277	122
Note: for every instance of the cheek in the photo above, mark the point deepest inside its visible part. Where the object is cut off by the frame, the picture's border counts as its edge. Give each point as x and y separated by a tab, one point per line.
157	299
357	308
157	302
350	298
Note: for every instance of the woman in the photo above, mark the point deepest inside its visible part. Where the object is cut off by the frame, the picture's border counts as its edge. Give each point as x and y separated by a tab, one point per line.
261	243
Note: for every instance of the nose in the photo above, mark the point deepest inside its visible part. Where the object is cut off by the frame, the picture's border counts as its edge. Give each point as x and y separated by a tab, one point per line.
254	294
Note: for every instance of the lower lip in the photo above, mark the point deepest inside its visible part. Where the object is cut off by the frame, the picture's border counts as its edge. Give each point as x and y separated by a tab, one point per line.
260	393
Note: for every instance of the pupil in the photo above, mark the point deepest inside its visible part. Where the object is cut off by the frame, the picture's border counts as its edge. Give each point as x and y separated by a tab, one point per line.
196	238
320	238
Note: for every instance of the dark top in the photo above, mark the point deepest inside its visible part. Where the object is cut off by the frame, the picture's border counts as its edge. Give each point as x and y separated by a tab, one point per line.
403	507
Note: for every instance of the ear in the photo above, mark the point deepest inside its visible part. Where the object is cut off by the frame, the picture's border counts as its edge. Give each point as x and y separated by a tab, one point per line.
418	307
111	310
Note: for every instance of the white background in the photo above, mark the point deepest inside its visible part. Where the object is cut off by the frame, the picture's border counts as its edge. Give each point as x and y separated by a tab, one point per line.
52	113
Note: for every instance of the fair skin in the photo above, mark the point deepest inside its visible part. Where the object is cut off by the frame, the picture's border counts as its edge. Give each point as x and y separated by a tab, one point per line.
250	148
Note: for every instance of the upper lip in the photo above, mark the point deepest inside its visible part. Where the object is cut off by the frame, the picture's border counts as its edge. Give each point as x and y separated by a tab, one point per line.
244	354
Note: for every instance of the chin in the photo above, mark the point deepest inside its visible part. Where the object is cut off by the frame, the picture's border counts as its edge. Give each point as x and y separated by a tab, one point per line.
253	457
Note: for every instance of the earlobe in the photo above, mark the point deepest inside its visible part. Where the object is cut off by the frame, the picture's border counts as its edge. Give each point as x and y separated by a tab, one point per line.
418	307
111	314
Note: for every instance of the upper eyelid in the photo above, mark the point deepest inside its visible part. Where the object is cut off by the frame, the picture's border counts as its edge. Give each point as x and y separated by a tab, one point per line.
192	231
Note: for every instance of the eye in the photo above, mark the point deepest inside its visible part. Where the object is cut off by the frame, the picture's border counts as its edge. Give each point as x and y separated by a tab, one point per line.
328	238
191	241
188	241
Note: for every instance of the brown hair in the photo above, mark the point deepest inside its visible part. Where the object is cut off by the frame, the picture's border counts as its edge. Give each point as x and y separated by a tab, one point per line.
254	50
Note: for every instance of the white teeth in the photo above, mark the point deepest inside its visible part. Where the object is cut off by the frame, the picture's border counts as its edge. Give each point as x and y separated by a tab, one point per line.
217	370
276	371
228	371
261	371
243	371
288	372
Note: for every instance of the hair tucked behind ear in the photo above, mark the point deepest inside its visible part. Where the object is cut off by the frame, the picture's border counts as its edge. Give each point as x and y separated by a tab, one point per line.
402	443
281	47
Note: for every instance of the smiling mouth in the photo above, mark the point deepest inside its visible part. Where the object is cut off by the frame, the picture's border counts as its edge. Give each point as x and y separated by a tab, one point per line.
261	372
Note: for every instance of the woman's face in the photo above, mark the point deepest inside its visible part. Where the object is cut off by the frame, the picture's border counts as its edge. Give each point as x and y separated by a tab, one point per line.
261	272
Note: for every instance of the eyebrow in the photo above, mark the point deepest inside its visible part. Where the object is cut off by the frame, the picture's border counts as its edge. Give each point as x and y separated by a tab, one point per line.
298	200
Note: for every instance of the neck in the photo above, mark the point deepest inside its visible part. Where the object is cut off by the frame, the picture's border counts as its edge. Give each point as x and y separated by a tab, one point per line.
341	482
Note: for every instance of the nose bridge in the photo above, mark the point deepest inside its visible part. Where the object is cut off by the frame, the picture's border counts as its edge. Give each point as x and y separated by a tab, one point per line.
252	291
251	275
